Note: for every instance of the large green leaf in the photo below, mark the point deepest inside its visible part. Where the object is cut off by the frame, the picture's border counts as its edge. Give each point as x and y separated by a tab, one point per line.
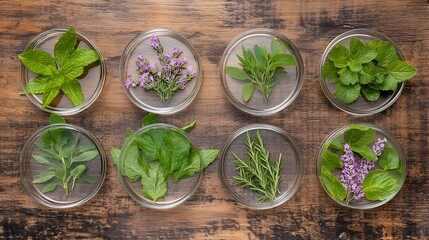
332	185
65	46
379	185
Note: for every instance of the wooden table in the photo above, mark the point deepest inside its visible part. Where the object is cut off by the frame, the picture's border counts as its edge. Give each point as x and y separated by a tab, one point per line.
211	213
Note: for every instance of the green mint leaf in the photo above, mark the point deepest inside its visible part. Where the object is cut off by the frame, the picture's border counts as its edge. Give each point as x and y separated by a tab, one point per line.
154	183
278	47
389	83
401	70
348	77
347	93
237	73
389	158
338	55
365	151
81	57
362	52
41	159
194	165
70	72
49	187
115	152
86	156
149	119
49	95
367	73
332	185
358	135
65	46
208	156
133	165
386	54
354	65
37	85
329	71
370	93
248	89
55	118
39	62
379	185
337	143
189	127
73	90
331	160
282	60
44	177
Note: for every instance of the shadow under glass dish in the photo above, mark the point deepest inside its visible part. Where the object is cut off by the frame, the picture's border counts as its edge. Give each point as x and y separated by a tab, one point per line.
361	106
276	141
147	99
82	192
364	203
92	80
283	93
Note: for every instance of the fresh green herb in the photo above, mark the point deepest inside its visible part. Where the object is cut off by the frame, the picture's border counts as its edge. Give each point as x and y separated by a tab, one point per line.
158	154
258	173
365	68
261	68
50	80
364	171
65	157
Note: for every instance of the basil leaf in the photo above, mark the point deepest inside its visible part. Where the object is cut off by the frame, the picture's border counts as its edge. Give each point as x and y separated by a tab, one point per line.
389	158
358	135
332	185
365	151
379	185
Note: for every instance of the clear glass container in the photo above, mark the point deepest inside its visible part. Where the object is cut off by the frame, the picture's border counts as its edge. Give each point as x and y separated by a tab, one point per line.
177	191
39	158
147	99
276	142
92	81
364	203
361	106
283	93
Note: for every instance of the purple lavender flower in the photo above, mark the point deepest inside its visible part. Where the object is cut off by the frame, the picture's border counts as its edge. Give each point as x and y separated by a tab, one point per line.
129	82
154	42
143	78
191	72
182	82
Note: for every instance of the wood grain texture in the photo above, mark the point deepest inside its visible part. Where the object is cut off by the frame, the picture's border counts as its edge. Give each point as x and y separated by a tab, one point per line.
211	213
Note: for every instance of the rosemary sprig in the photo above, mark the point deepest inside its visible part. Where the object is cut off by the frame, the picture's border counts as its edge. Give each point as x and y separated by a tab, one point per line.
258	173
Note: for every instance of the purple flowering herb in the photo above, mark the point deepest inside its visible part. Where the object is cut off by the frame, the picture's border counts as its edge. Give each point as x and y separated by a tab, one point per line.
165	79
378	146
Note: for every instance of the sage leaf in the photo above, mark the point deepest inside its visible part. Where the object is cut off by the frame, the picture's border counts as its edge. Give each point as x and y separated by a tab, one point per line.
49	187
237	73
247	91
86	156
40	159
44	177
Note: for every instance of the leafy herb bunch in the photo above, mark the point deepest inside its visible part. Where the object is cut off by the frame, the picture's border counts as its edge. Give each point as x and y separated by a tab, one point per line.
158	154
364	171
164	79
258	172
52	80
66	158
368	68
263	69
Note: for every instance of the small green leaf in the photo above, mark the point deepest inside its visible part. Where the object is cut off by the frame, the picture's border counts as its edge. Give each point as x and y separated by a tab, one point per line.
332	185
133	165
76	173
55	118
365	151
154	183
337	143
260	54
88	179
37	85
347	93
389	158
149	119
278	47
386	52
282	60
370	93
359	135
40	159
193	166
65	46
354	65
44	177
348	77
81	57
401	70
189	127
389	83
86	156
379	185
247	91
39	62
367	74
208	156
86	147
49	187
115	155
237	73
362	52
49	95
331	160
338	55
73	90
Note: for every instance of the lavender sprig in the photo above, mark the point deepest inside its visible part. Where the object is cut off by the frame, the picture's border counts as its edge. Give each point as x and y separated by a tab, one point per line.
164	78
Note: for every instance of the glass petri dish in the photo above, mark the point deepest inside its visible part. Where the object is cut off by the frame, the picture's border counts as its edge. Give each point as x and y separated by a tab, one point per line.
178	191
361	106
400	172
41	167
147	99
92	80
283	93
276	142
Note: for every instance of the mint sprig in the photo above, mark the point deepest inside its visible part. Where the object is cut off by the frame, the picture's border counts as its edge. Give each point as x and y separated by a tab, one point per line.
365	68
59	74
